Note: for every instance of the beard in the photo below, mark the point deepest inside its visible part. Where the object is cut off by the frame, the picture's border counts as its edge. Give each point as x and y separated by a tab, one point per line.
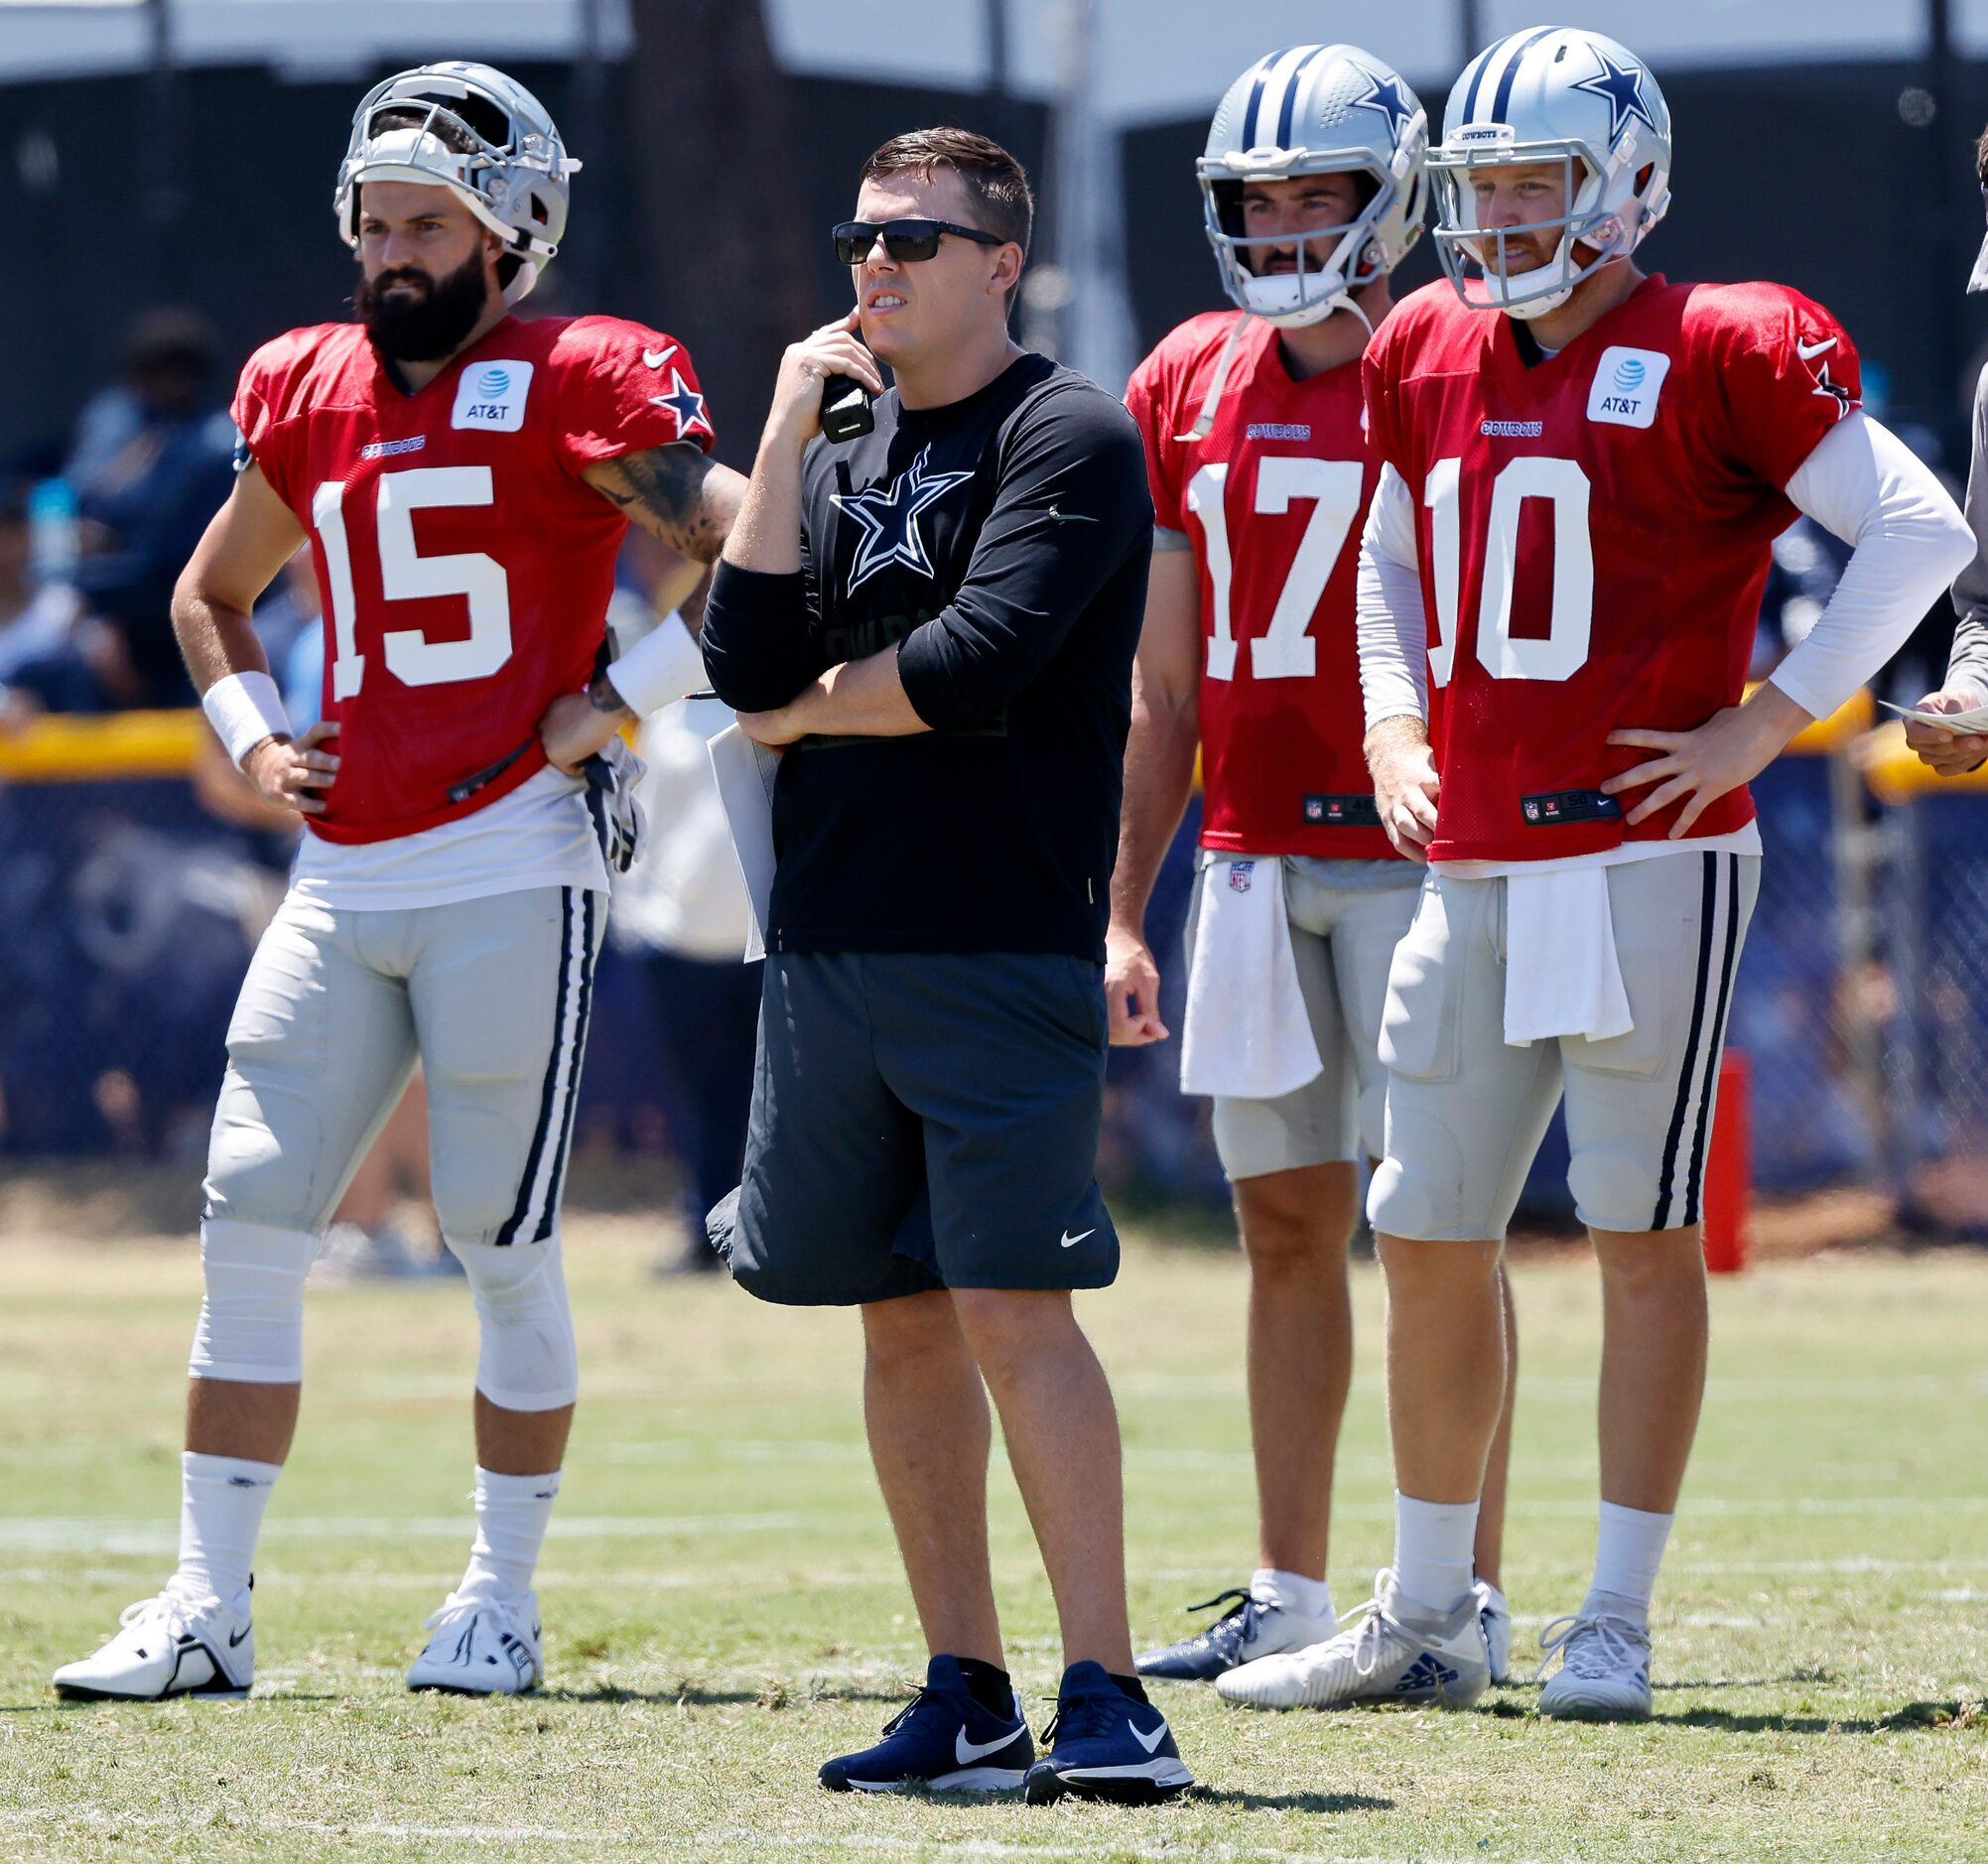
428	323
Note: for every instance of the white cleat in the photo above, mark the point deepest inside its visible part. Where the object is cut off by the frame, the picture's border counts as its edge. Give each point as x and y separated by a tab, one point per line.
1495	1611
1604	1673
169	1646
1390	1652
481	1647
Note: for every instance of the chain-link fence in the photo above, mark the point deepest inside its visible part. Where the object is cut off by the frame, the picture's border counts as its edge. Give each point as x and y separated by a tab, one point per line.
129	912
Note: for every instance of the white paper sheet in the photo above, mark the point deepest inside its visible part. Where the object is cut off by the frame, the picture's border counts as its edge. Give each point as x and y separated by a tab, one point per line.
1959	724
745	773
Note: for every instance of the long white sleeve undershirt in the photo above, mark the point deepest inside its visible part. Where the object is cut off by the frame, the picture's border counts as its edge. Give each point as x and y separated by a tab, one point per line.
1861	482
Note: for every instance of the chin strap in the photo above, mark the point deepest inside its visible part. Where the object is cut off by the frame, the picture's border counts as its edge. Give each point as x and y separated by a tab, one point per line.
1204	422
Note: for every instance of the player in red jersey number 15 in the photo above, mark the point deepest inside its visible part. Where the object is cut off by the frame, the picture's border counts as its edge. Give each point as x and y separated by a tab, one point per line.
465	479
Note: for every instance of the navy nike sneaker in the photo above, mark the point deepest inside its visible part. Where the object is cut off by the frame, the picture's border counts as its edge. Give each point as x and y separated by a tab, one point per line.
942	1739
1105	1745
1248	1630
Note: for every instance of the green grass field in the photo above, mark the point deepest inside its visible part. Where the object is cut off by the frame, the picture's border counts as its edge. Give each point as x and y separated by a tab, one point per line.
724	1607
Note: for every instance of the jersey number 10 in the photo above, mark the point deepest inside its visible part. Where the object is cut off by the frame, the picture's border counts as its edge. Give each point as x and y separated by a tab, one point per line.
406	575
1564	650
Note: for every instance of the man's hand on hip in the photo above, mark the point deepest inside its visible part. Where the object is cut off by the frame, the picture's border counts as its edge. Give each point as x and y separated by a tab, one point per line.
1406	783
577	725
289	772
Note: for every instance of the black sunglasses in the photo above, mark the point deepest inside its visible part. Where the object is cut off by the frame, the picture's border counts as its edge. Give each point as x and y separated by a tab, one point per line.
904	240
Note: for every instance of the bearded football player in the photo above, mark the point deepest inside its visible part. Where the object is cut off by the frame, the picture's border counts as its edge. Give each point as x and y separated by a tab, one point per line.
465	479
1313	191
1559	578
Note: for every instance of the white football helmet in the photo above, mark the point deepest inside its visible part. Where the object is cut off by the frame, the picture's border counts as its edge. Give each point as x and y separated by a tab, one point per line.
1315	110
1550	94
481	135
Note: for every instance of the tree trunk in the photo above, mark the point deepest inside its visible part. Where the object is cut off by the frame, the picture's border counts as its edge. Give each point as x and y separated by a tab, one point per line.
720	202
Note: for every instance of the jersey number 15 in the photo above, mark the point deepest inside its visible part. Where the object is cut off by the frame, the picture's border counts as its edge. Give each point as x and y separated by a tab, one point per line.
406	575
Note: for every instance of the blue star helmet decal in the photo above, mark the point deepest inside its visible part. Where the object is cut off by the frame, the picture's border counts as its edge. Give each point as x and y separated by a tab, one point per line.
889	519
1622	86
686	404
1386	96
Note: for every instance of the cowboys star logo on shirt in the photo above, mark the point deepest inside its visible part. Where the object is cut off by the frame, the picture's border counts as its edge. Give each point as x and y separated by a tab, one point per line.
889	519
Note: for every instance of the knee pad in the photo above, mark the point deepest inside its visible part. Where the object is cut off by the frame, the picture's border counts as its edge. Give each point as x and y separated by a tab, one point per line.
526	1361
251	1325
261	1158
1613	1192
1418	1190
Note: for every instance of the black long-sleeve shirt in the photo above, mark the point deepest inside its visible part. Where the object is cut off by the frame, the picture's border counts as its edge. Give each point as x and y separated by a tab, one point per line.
1003	541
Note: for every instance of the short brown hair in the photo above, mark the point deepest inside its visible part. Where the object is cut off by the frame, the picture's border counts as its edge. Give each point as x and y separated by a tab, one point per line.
1005	202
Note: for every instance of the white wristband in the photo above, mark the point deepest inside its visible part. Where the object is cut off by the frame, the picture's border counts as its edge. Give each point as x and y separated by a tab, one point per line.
665	664
244	709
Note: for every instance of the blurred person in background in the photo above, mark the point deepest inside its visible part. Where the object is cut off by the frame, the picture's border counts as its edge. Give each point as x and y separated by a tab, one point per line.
1261	474
145	500
681	916
1965	688
37	614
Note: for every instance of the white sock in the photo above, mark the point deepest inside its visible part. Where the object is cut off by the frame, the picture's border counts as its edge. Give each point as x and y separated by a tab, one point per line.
1433	1552
1309	1598
1629	1548
221	1499
512	1512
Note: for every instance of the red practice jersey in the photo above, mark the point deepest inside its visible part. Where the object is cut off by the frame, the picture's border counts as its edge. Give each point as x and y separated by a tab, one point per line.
1593	534
1273	501
464	566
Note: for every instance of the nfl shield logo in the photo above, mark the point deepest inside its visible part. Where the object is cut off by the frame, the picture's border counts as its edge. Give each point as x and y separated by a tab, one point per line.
1315	808
1238	876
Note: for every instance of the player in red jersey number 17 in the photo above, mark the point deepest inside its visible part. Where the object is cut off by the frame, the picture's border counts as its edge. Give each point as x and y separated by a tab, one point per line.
463	480
1259	468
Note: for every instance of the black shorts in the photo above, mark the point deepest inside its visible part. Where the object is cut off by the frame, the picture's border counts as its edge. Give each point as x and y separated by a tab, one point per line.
922	1120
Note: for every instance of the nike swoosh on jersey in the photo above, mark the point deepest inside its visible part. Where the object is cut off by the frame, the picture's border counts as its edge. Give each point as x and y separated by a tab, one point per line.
1070	1241
1072	517
1810	351
655	358
1150	1742
968	1752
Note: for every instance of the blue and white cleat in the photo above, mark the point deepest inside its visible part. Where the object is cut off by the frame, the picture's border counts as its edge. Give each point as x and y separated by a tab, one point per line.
942	1739
1604	1673
481	1647
1248	1630
1494	1613
1104	1745
169	1646
1390	1652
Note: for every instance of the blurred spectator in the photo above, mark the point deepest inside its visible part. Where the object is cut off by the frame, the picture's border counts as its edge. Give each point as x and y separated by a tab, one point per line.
35	619
151	465
681	917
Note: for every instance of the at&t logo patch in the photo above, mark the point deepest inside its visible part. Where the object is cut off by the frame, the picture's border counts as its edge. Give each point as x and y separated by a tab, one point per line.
492	396
1625	386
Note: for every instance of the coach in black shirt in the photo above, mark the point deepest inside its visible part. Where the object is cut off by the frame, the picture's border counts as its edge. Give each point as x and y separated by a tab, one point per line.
936	620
